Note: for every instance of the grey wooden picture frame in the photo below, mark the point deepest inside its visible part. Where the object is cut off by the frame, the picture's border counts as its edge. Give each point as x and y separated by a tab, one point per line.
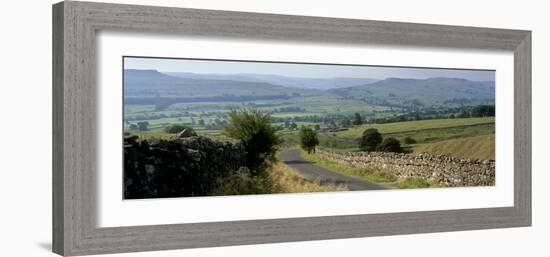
75	25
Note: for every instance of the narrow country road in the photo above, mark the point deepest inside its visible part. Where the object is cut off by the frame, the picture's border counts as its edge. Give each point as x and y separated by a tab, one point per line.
312	172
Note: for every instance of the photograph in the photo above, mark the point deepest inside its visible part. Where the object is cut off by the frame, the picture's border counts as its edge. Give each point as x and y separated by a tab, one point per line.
213	127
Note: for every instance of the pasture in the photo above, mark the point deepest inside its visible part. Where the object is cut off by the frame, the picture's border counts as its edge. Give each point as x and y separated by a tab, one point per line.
417	125
477	147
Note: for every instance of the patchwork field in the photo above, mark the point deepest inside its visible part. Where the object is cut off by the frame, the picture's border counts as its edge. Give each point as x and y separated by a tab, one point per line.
477	147
471	138
417	126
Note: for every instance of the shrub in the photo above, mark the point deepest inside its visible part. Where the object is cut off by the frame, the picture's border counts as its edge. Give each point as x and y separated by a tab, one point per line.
260	140
483	111
293	126
409	141
308	139
143	125
370	140
357	119
176	128
390	144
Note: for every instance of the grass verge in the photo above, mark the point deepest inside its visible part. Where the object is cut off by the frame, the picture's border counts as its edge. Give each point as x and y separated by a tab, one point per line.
377	176
290	181
371	175
413	182
278	179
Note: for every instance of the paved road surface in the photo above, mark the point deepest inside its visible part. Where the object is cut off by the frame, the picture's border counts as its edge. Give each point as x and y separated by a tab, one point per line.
312	172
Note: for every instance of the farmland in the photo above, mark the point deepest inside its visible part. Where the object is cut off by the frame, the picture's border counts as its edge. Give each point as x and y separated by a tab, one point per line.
434	125
180	115
476	147
420	125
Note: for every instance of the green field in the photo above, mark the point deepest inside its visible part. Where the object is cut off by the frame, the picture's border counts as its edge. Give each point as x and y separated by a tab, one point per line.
477	147
470	138
416	126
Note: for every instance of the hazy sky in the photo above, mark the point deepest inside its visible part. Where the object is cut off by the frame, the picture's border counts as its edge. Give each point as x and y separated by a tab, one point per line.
300	70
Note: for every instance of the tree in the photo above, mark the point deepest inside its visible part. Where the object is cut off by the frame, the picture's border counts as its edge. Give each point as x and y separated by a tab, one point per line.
134	126
357	119
346	123
317	127
293	126
409	141
278	127
370	140
483	111
287	124
308	139
143	125
464	115
201	122
390	144
254	129
175	128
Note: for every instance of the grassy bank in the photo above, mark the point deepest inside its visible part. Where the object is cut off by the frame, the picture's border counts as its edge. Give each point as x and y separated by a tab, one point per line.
279	179
375	176
290	181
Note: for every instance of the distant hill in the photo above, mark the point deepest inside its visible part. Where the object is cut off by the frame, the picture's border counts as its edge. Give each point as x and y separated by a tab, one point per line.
151	83
294	82
141	85
421	92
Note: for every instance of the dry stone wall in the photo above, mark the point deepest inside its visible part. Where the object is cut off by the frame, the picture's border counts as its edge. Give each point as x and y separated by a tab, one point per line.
440	169
186	166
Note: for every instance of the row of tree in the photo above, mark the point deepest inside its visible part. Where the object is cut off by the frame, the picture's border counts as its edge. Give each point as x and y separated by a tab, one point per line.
372	140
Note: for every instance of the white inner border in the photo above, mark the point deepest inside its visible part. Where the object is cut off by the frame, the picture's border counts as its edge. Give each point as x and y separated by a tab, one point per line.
113	211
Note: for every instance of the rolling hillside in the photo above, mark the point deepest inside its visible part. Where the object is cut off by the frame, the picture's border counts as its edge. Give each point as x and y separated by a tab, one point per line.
401	127
408	93
293	82
151	83
421	92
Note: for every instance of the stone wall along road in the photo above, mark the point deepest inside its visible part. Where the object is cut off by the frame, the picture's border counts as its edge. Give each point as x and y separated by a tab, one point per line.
441	169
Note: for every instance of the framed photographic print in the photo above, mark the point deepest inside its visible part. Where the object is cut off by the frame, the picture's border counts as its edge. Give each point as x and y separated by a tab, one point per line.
183	128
